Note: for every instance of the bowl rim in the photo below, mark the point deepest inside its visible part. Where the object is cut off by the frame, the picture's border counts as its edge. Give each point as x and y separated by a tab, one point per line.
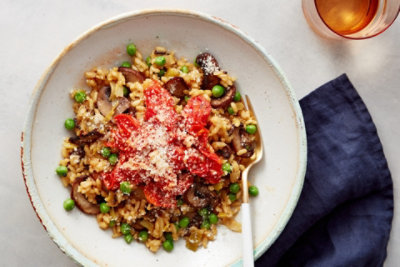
26	134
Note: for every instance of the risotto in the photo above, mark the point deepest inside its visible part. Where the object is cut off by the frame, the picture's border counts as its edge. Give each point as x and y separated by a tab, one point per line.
157	150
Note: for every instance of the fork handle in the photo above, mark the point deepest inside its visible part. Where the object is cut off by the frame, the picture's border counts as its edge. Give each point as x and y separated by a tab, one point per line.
248	257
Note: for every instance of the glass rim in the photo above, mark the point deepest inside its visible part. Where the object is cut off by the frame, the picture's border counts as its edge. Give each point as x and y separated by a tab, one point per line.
355	38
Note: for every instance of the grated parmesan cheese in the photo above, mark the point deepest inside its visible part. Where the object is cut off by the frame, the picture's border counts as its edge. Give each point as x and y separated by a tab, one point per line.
209	66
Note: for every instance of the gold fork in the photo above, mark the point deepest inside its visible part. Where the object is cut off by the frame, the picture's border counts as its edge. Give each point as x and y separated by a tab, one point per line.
248	257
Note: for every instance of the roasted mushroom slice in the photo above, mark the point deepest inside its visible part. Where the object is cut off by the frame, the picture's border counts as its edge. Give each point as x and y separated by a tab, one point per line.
199	196
250	150
86	139
80	200
207	63
240	140
176	86
103	100
104	104
225	152
209	81
131	75
138	226
79	151
225	100
123	105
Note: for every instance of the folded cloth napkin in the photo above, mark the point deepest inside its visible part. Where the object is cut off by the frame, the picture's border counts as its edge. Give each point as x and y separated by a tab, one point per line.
344	214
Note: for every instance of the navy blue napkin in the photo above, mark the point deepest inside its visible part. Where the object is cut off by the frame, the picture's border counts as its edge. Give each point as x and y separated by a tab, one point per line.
344	214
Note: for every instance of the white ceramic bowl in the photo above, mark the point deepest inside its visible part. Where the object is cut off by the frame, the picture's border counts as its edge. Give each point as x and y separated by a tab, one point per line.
279	176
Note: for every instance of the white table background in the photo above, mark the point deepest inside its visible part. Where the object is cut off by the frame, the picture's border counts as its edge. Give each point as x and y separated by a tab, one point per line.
33	33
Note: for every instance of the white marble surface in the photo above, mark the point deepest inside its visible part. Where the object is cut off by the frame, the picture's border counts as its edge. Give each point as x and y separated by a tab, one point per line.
33	33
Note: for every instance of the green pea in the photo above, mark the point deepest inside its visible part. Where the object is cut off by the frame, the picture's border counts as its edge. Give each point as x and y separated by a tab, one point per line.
168	236
234	188
230	111
80	96
160	61
213	218
253	190
179	202
104	208
128	238
125	187
106	152
112	222
168	245
125	228
126	91
61	170
113	158
187	98
148	61
227	167
131	49
161	73
143	236
69	124
251	129
218	91
232	197
185	69
205	224
184	222
69	204
203	212
237	97
126	64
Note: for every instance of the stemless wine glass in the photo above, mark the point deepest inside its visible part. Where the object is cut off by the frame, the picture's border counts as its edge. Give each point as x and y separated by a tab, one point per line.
351	19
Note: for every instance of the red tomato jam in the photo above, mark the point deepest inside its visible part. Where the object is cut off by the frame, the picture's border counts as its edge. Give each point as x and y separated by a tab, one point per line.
156	153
